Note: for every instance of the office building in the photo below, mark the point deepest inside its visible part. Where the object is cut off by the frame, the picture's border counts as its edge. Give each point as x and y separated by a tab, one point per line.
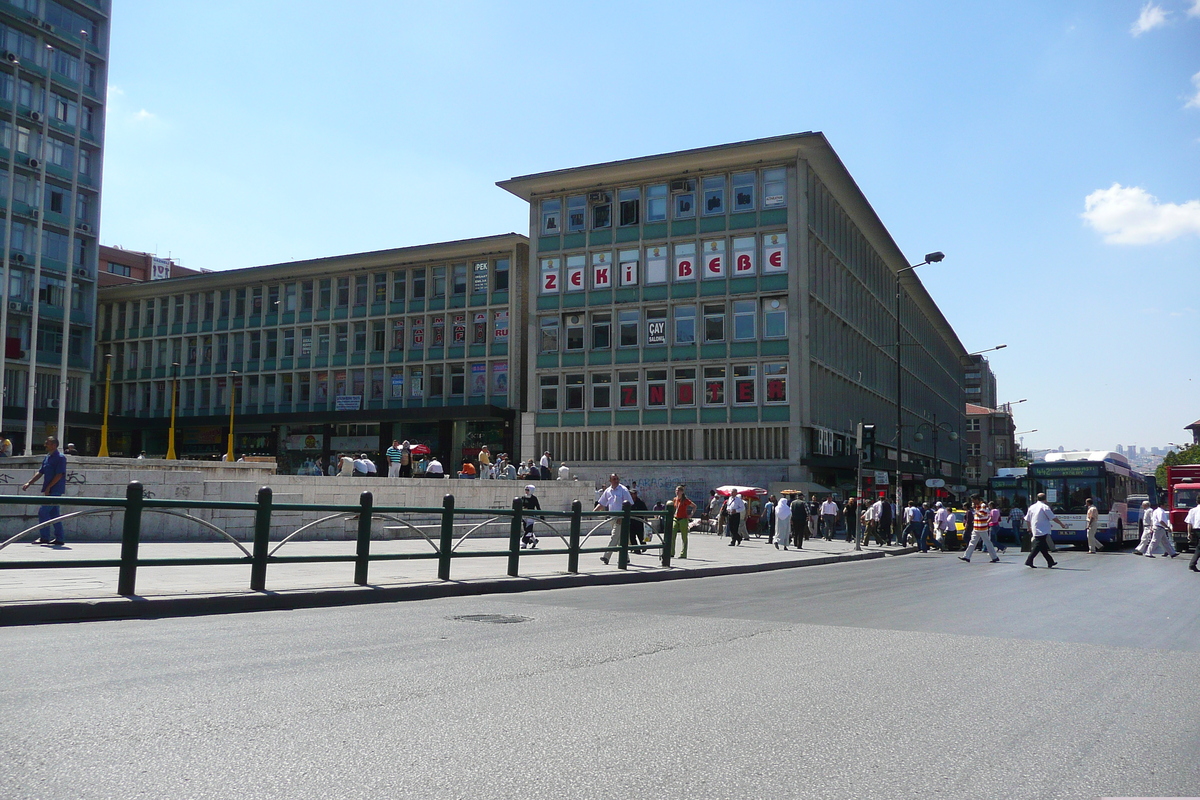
327	355
727	315
119	266
979	382
990	444
53	79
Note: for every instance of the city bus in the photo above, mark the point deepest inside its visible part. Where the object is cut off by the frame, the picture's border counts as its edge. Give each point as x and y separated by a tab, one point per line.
1009	488
1069	479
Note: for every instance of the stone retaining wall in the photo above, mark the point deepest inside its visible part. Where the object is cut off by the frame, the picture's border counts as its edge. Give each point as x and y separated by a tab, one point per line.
240	482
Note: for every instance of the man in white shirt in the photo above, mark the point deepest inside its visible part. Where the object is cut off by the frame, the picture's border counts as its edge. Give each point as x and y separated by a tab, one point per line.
1192	520
434	469
369	463
912	522
1038	519
613	500
545	465
564	472
829	512
1157	532
735	507
1093	524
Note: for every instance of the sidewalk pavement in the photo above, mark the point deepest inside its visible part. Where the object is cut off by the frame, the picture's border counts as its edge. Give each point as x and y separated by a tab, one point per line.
32	596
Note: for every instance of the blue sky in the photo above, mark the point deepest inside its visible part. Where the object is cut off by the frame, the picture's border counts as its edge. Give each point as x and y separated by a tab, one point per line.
1050	149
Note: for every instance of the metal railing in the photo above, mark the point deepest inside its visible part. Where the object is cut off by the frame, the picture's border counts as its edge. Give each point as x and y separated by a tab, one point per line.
444	549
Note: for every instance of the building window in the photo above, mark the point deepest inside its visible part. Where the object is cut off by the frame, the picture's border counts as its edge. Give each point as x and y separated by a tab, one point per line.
119	269
459	280
416	382
714	322
973	390
601	331
714	195
343	292
743	191
714	386
973	449
775	187
458	380
325	294
627	389
774	318
577	213
551	217
380	294
628	323
418	284
744	314
399	284
548	340
629	207
500	281
306	296
656	388
439	283
437	380
656	327
656	203
574	388
776	383
574	332
685	324
685	387
973	425
745	380
602	210
341	339
548	400
685	198
360	337
601	391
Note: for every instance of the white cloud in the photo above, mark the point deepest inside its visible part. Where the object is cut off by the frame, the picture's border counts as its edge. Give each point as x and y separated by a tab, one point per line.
1152	17
143	116
1194	11
1194	100
1131	215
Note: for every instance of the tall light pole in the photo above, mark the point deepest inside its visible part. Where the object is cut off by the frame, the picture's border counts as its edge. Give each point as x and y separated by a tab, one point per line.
103	452
232	399
930	258
174	395
934	427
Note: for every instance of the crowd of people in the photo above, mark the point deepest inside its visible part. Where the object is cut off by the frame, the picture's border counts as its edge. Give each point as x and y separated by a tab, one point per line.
404	460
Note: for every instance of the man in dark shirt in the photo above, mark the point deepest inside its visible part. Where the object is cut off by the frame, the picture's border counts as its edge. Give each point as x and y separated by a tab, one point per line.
885	519
799	521
54	482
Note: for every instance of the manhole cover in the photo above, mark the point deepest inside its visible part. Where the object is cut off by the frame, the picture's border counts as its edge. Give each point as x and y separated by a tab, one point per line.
497	618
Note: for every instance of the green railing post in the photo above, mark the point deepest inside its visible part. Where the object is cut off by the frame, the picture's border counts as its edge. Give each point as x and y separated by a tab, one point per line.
262	541
130	534
623	556
514	540
573	546
367	501
668	537
447	541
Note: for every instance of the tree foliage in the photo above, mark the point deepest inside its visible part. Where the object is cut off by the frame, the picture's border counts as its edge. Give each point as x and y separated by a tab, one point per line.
1188	455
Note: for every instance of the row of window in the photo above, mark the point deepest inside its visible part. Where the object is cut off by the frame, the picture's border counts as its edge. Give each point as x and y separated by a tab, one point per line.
629	390
52	292
716	195
708	259
61	108
27	49
322	294
54	244
338	339
54	150
752	319
428	381
57	199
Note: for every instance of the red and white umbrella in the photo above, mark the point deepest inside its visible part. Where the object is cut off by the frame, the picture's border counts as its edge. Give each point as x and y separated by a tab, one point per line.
748	492
420	450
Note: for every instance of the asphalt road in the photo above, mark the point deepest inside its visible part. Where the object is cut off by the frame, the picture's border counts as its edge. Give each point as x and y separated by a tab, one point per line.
905	677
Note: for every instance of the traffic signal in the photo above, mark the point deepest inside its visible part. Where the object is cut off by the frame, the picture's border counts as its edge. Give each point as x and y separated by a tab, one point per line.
866	435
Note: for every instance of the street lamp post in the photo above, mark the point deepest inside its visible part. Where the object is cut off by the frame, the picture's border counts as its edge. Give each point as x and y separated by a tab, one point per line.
174	395
930	258
934	428
103	452
232	398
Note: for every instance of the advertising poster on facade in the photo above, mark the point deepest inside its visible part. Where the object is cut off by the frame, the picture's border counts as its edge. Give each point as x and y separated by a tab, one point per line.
500	321
500	379
479	283
478	379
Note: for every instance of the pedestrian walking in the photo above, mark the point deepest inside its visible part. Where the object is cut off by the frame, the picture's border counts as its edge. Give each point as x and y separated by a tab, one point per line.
1038	519
943	523
912	525
1093	522
829	513
1157	532
637	526
1192	520
851	512
613	500
981	533
871	523
994	525
53	473
681	510
783	522
814	517
529	503
1015	518
799	521
735	506
884	520
927	528
766	520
